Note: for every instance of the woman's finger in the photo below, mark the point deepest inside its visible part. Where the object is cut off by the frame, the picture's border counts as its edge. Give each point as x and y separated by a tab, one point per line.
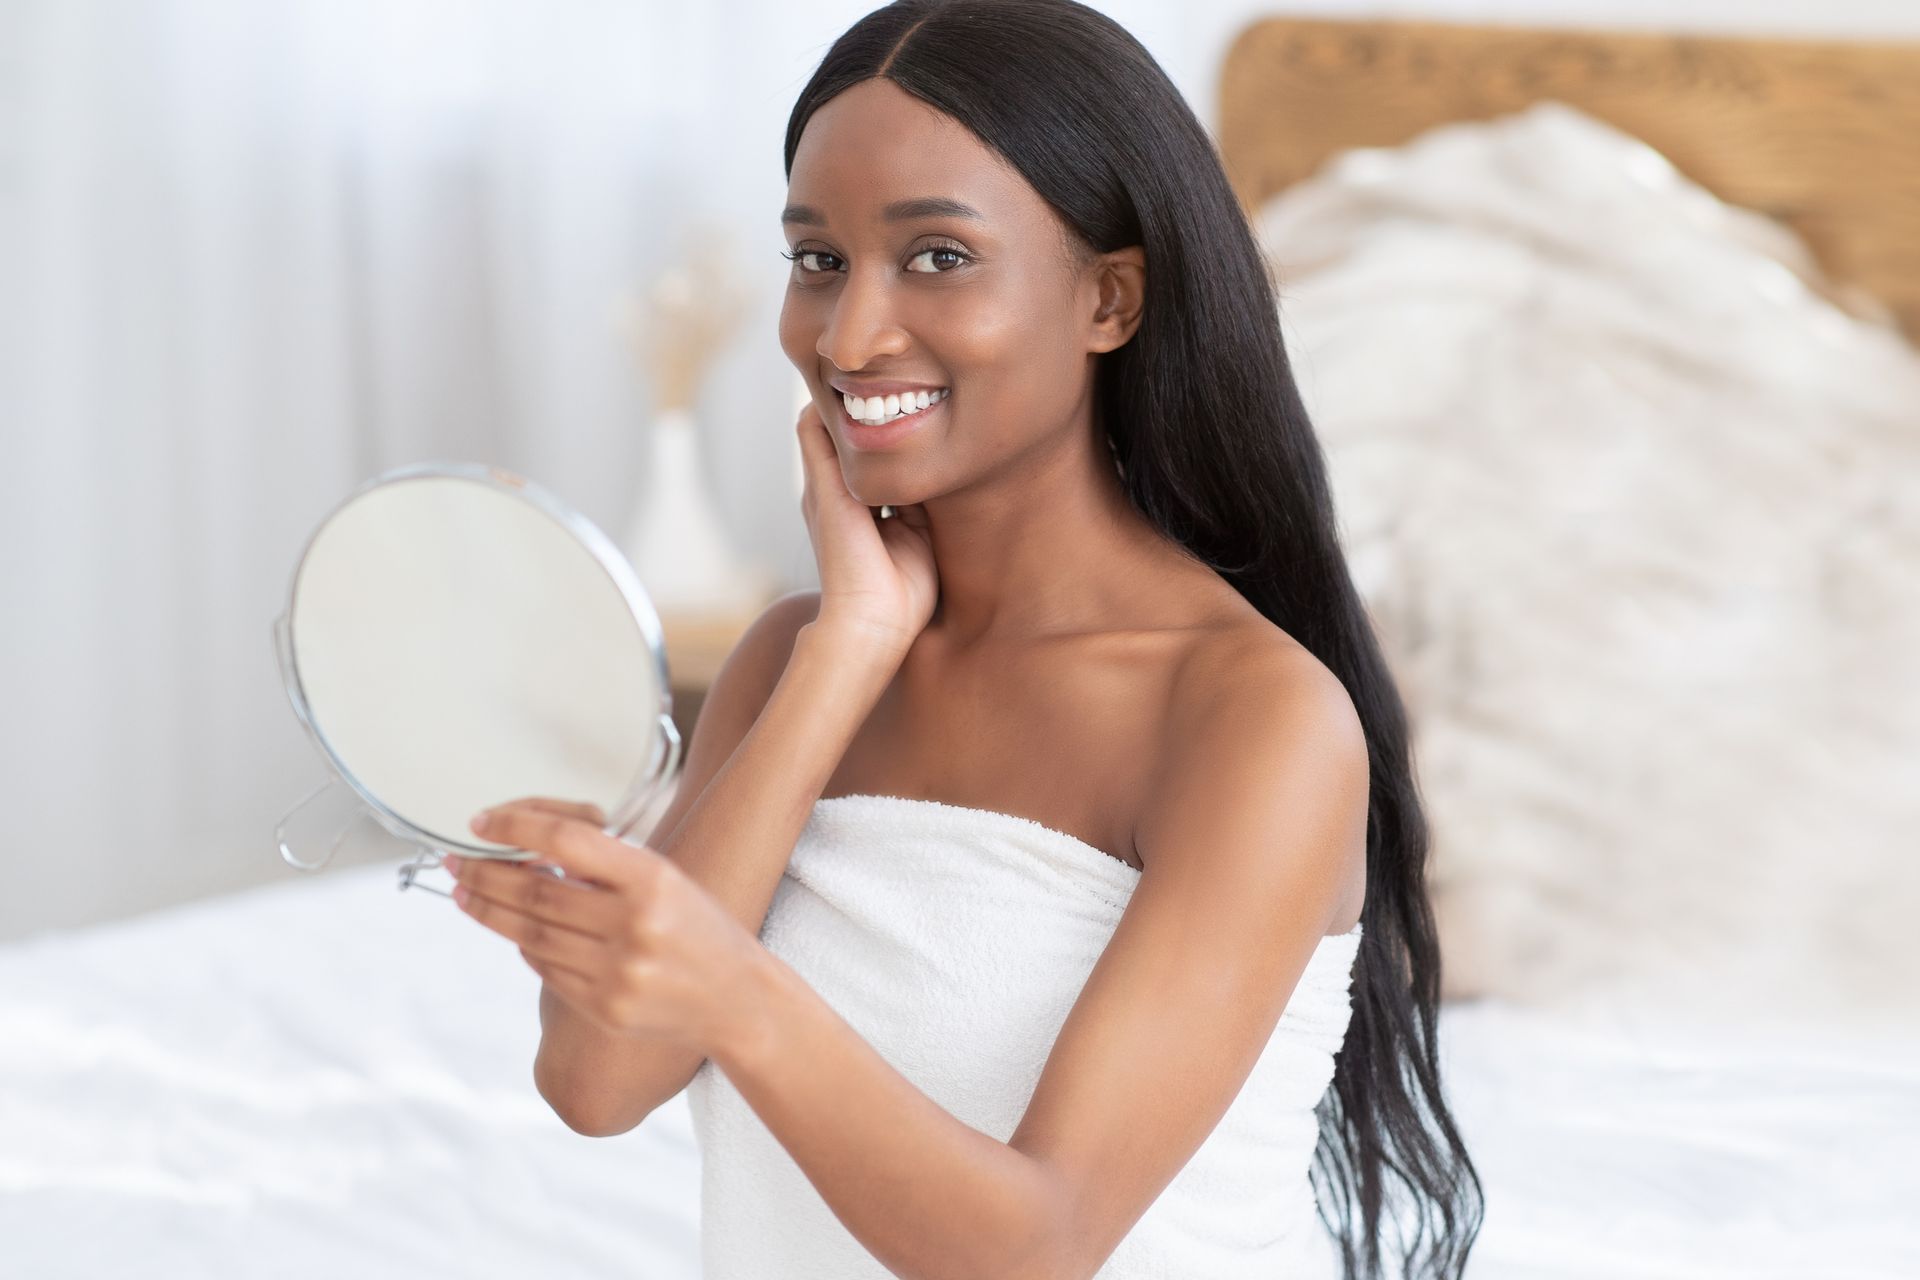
815	442
555	944
576	989
576	845
563	903
570	808
815	451
825	482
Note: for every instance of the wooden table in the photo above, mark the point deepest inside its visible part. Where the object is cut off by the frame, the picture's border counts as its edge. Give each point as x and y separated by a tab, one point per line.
696	646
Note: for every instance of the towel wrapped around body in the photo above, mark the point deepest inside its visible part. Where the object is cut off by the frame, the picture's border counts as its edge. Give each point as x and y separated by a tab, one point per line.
955	941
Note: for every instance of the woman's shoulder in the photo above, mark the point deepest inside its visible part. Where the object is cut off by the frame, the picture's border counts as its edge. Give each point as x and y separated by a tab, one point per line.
1231	643
1257	722
1248	675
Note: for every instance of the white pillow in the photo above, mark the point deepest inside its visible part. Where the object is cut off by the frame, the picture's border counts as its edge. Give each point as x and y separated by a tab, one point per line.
1635	511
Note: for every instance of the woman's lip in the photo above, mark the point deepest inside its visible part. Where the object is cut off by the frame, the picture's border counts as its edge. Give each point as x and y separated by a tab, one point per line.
868	390
861	436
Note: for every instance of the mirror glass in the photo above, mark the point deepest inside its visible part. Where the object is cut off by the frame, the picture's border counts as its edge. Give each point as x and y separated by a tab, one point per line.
456	637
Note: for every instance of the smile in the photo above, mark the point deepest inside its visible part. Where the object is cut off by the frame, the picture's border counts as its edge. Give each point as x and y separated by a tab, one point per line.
876	411
863	433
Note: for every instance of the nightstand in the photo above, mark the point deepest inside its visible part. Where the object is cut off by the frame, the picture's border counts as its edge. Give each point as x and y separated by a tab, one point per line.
696	647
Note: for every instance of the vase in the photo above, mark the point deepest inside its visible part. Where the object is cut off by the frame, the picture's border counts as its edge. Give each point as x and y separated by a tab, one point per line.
678	541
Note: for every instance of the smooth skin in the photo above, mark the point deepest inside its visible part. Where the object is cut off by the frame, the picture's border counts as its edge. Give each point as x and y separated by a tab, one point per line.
1036	647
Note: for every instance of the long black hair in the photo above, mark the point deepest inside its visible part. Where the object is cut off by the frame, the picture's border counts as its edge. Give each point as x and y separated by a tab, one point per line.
1215	448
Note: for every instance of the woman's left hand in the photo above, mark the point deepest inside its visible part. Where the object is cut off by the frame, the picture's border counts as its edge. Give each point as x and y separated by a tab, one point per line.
627	939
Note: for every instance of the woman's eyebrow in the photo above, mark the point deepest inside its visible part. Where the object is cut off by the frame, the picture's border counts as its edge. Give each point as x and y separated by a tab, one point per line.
899	211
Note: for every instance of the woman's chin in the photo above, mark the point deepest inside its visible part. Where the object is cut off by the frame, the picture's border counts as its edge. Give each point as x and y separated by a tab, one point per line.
875	496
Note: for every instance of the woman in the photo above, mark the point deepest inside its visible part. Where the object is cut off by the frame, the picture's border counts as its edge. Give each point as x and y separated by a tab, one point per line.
1106	629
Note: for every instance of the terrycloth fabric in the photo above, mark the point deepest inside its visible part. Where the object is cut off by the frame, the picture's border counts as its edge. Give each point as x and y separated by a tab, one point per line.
955	941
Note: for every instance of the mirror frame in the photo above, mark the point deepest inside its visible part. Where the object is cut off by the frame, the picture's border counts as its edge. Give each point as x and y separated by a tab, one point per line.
640	795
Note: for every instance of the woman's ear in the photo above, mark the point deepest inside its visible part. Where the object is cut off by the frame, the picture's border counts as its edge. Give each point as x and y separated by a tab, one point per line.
1120	290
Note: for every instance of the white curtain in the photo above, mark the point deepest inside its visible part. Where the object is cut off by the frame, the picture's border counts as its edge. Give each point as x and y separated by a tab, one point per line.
254	253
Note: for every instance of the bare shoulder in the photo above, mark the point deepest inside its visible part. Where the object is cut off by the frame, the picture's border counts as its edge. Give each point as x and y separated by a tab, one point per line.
1253	676
759	657
773	632
1256	725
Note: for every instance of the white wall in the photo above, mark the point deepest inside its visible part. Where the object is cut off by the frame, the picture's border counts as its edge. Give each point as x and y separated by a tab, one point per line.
184	392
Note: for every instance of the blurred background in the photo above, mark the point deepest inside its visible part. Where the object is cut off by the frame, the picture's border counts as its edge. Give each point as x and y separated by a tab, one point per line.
1606	313
254	253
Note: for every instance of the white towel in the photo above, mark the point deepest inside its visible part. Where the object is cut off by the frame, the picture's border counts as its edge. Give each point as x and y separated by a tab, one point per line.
955	941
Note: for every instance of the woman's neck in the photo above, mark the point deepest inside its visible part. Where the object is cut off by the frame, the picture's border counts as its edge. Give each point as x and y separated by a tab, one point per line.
1054	546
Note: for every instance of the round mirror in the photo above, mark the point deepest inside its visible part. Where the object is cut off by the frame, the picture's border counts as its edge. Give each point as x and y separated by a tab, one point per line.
455	638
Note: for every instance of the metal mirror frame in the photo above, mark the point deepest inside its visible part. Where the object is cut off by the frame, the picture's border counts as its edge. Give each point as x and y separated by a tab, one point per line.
627	811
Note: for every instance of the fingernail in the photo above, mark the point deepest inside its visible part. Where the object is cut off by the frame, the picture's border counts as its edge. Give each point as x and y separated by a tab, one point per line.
479	820
453	863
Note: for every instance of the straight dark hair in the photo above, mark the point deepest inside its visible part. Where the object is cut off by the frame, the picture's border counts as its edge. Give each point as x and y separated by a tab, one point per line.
1216	449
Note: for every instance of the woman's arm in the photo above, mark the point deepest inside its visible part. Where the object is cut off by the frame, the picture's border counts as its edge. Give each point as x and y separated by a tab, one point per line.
927	1194
734	840
879	587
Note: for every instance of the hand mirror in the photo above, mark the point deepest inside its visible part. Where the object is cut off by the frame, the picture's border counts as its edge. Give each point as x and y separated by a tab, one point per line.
456	638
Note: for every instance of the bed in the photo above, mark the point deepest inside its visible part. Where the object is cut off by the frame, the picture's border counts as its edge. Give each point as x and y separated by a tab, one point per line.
1657	1077
356	1102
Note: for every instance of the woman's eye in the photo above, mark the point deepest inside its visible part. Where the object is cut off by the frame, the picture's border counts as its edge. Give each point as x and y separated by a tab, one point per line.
809	267
940	249
820	262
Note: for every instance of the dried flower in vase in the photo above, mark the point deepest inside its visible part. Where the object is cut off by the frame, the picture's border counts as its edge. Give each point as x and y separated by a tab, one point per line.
684	318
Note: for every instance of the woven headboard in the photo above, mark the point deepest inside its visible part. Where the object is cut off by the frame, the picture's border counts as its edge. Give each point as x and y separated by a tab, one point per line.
1822	135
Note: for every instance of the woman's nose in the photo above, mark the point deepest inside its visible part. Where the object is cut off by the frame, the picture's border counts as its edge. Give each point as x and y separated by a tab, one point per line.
861	324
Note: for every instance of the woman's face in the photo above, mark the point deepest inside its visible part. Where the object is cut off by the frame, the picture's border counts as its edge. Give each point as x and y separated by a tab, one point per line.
987	304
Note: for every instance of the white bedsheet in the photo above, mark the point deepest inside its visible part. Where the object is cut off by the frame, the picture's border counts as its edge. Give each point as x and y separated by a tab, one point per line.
323	1078
330	1078
1623	1145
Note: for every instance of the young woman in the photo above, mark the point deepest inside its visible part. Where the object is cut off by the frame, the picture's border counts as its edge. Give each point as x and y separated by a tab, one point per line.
1104	643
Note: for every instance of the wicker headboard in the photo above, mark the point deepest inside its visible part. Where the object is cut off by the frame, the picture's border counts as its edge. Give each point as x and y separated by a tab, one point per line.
1822	135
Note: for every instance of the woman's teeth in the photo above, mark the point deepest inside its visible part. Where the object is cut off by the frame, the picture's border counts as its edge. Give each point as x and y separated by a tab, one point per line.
872	411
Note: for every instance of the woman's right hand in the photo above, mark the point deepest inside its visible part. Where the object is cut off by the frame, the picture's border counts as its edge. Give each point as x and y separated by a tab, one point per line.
552	804
877	577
